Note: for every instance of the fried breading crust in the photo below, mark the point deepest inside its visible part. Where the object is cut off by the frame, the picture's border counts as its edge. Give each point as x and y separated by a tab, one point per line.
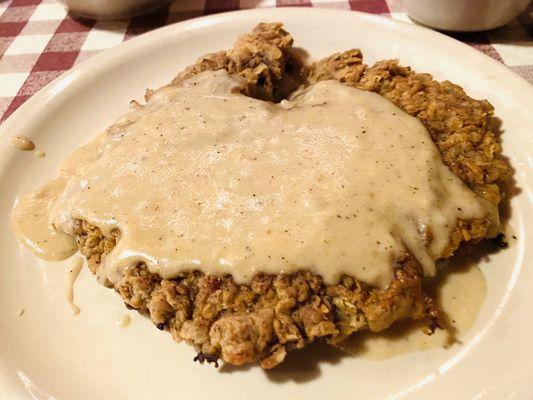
259	57
459	125
275	314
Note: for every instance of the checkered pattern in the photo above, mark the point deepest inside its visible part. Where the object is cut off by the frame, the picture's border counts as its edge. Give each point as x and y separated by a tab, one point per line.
39	40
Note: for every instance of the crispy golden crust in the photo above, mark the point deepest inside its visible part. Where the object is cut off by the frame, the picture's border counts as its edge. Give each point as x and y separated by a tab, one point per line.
459	125
275	314
259	57
265	319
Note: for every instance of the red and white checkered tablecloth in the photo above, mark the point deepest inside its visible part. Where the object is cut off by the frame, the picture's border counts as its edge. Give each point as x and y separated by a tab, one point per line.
39	40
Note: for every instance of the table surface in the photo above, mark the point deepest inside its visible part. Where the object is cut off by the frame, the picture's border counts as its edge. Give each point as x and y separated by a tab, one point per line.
39	39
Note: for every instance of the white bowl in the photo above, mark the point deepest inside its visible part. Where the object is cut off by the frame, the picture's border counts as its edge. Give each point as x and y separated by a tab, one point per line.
464	15
112	9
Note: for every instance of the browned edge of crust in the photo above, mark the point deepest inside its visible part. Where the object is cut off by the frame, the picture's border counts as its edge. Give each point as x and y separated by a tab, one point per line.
460	126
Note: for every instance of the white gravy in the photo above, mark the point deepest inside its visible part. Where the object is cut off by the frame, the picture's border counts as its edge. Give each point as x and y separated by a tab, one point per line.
335	180
73	271
124	321
23	143
33	227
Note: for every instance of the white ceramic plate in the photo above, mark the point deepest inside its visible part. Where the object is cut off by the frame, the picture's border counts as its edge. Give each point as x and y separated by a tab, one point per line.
48	353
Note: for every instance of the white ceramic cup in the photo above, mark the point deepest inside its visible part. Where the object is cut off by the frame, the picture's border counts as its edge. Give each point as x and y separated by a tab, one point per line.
112	9
464	15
